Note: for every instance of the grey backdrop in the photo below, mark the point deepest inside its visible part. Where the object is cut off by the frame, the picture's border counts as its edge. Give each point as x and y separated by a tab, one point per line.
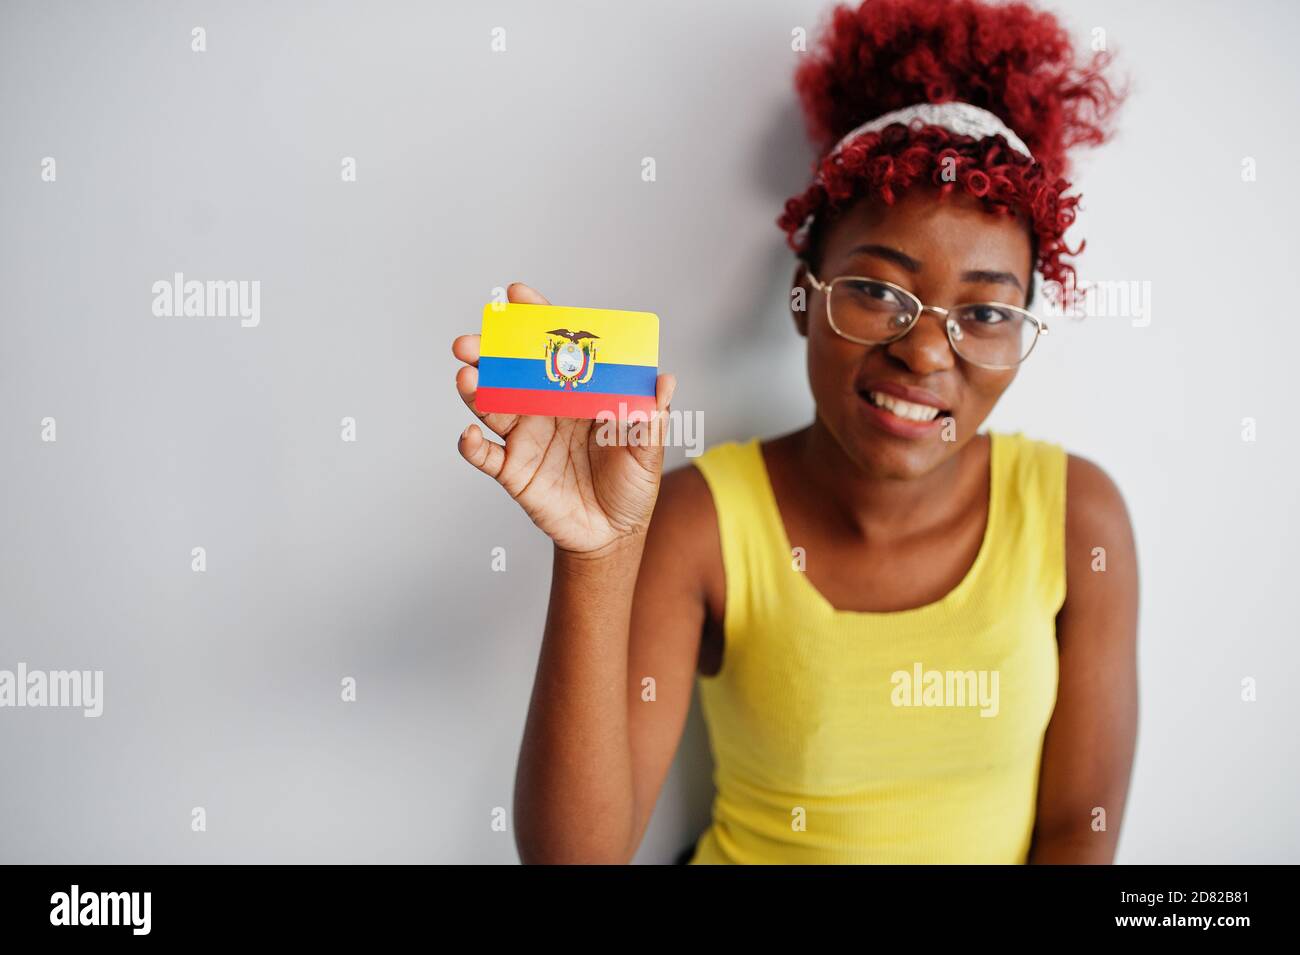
372	559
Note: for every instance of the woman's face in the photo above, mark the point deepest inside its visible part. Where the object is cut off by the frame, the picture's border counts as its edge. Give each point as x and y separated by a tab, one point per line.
947	251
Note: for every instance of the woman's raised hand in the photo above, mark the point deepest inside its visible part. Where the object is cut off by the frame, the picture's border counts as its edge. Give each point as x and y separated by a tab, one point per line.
588	484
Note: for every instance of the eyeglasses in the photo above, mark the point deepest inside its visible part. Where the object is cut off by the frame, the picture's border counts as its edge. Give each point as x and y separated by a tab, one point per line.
874	312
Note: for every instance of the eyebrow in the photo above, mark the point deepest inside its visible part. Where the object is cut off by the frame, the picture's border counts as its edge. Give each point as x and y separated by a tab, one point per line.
902	259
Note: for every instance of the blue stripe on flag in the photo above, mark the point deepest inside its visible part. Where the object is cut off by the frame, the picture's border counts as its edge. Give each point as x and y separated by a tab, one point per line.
531	373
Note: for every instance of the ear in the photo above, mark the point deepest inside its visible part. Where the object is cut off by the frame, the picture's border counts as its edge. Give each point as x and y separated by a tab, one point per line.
800	298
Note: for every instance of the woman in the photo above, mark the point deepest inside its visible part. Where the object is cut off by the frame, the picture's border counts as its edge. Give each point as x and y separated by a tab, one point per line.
914	641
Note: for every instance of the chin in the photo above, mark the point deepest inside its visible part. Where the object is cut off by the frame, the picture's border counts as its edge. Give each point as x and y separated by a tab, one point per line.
894	449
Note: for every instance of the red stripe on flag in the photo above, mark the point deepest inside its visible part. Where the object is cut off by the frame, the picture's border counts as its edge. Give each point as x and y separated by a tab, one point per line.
560	404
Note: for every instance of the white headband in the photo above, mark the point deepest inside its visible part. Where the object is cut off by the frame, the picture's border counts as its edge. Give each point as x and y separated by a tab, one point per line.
965	119
962	118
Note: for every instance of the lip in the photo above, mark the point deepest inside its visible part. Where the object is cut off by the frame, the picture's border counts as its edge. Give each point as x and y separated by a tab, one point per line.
917	396
901	427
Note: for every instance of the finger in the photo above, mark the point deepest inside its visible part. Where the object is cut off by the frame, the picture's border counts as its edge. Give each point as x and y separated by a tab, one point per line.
655	432
466	348
488	456
665	386
524	294
467	388
643	433
638	429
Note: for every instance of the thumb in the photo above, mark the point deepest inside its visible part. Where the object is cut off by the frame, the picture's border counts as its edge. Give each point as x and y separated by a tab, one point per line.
524	294
646	440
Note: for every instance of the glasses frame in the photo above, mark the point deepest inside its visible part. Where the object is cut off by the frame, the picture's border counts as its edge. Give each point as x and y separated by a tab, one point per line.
949	324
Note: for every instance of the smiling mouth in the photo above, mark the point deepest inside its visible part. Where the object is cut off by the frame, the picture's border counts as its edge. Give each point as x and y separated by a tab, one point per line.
907	410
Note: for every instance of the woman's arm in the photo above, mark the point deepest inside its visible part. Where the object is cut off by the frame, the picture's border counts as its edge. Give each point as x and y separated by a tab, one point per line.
626	584
1088	750
600	735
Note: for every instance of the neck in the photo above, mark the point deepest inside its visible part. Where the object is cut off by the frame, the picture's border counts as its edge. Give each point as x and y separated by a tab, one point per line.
879	506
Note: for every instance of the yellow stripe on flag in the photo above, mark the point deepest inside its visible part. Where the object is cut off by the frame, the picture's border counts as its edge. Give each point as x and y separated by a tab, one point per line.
516	330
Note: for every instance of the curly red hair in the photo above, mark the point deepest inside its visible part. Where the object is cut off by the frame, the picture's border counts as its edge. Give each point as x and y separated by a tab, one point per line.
1013	60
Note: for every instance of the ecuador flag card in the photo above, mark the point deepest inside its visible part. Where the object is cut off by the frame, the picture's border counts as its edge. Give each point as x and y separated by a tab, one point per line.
567	362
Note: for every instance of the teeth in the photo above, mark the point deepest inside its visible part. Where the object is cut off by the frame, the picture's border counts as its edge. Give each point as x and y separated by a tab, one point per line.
904	409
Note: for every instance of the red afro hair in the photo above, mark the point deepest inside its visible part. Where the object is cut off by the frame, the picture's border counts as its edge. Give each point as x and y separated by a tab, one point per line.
1012	60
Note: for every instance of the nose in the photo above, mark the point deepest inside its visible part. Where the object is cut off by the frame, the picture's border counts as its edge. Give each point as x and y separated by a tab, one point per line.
925	348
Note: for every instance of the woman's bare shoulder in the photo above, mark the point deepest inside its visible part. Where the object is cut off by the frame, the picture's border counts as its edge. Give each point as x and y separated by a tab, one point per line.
1095	507
1098	537
683	537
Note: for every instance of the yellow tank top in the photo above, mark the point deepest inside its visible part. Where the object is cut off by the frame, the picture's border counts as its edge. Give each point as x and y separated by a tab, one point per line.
912	736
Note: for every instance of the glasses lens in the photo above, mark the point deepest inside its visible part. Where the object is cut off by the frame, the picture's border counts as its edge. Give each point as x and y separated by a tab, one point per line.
869	311
994	335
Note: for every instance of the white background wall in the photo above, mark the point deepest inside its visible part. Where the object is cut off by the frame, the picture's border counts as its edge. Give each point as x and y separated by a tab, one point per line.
372	559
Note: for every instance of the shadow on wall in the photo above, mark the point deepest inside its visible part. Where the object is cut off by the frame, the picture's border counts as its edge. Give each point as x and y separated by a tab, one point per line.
754	346
757	358
685	802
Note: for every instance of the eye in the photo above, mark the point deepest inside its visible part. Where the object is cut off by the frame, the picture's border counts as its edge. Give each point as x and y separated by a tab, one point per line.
985	314
877	293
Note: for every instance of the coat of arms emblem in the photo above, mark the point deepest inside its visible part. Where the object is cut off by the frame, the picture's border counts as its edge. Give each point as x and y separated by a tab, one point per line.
570	357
